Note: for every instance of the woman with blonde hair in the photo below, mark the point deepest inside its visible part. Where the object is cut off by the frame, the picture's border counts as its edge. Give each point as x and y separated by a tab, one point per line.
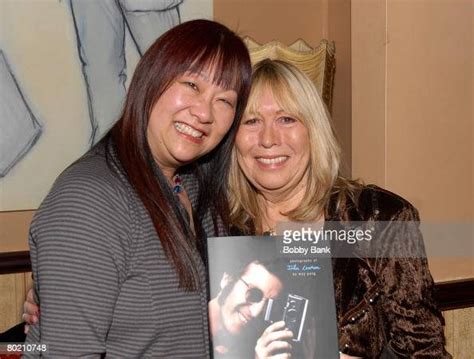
286	167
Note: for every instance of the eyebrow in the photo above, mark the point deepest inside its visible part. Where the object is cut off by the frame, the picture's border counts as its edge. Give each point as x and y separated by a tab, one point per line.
199	74
258	113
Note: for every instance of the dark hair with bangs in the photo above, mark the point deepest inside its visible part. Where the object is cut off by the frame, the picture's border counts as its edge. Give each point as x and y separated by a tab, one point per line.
192	46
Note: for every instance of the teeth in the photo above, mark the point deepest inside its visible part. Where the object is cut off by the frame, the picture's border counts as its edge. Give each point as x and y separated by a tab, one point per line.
187	130
271	161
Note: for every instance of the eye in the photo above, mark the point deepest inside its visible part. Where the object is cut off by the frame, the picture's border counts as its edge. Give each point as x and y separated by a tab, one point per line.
191	85
254	295
249	121
287	120
227	102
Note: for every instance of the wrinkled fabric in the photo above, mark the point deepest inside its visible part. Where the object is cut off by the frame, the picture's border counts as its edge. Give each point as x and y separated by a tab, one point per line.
385	306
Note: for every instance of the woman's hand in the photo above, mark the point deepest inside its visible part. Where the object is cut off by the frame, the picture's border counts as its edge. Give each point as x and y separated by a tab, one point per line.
274	339
31	310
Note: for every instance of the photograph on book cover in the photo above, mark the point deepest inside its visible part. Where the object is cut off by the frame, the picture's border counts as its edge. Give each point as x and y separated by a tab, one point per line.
264	301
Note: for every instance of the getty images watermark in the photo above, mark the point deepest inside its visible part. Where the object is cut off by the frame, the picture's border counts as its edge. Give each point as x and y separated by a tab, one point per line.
307	240
376	239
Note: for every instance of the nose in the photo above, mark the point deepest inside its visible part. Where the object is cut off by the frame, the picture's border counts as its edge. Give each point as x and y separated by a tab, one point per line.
201	109
268	135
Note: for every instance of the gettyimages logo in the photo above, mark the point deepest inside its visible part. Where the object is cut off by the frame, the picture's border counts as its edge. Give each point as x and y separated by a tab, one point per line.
376	239
305	239
350	236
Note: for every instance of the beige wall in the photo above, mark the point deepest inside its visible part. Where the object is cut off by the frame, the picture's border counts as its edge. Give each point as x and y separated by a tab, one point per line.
412	112
339	31
412	101
283	20
14	230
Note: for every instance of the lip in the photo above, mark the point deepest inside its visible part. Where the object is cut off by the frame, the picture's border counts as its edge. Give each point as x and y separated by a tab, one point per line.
188	136
271	162
204	132
243	318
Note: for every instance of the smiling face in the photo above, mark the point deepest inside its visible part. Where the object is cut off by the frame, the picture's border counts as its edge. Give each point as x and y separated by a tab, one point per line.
236	311
189	120
272	146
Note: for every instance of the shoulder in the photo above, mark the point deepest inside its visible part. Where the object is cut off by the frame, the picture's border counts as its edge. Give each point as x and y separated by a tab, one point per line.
374	202
89	188
94	175
354	201
89	212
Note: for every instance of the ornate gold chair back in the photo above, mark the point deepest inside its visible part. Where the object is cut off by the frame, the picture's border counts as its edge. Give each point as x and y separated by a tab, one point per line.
317	63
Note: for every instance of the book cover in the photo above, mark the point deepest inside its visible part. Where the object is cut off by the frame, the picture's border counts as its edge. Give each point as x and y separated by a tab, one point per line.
267	300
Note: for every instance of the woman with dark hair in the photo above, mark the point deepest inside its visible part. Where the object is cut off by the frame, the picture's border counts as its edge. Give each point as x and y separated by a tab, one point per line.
121	235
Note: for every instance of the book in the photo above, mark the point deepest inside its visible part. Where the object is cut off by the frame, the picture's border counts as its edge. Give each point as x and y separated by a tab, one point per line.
269	300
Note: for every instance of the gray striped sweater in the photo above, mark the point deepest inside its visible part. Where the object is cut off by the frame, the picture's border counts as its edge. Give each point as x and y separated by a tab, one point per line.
103	281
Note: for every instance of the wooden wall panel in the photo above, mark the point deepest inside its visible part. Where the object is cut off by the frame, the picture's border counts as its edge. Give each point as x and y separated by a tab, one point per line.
459	331
13	288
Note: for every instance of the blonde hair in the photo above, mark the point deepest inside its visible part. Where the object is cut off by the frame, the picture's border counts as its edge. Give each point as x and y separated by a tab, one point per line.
295	94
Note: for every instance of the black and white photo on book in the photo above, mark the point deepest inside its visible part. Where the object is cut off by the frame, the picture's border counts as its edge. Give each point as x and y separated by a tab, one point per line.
265	301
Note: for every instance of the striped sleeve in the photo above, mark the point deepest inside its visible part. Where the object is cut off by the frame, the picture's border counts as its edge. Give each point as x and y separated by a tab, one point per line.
78	243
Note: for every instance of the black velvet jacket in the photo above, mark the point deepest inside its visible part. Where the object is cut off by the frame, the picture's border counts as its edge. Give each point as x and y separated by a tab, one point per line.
385	306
